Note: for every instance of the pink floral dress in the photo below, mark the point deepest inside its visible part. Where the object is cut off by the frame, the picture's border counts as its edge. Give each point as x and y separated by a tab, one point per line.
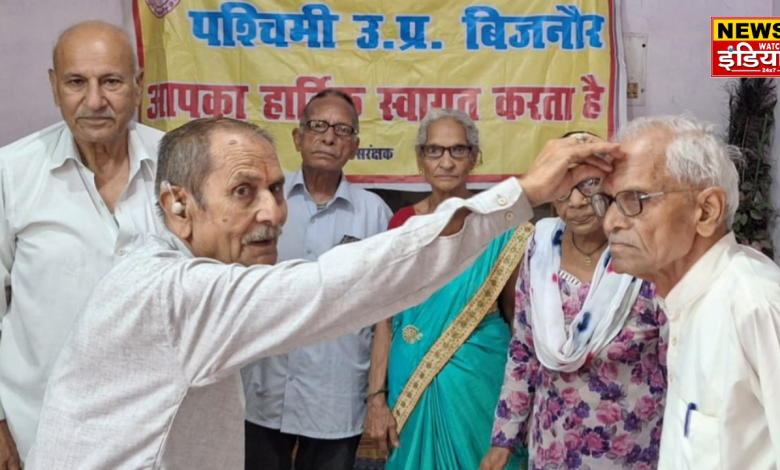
608	414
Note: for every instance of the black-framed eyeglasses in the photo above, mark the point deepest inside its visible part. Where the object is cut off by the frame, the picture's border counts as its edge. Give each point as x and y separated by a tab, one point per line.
587	188
458	152
321	127
629	203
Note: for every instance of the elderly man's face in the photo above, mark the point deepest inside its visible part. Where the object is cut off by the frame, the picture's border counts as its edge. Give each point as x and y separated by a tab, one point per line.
645	245
243	201
327	152
94	85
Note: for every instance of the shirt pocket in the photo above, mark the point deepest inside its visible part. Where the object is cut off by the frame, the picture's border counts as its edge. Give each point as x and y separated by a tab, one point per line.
701	447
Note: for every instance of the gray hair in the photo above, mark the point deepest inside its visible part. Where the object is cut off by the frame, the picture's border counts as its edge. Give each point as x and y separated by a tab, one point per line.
184	155
695	155
437	114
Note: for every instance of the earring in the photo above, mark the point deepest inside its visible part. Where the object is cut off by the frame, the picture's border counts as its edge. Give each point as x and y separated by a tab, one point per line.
420	170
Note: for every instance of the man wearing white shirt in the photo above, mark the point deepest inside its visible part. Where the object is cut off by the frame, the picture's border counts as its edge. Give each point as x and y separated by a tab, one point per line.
75	198
149	377
313	396
669	208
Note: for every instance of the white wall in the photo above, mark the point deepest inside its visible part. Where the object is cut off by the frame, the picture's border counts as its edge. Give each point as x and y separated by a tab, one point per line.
678	54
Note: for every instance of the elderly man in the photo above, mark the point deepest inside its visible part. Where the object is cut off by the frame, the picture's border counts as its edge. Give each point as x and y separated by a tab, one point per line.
149	377
674	197
313	397
75	198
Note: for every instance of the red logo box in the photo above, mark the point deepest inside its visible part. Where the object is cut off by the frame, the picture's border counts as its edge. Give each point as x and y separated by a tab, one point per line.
744	47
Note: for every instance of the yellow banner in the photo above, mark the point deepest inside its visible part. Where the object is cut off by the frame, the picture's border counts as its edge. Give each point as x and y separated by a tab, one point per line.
525	71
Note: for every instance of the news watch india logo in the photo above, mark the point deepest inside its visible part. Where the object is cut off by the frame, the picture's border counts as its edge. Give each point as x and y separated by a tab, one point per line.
745	47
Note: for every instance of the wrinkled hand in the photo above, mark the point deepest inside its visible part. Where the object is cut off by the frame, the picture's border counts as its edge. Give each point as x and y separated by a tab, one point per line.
563	163
380	424
496	459
9	457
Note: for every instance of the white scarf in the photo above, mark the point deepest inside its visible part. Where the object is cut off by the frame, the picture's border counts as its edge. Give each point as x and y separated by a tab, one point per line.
603	314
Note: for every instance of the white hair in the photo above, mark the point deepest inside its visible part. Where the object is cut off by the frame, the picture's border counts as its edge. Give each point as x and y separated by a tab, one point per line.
695	155
437	114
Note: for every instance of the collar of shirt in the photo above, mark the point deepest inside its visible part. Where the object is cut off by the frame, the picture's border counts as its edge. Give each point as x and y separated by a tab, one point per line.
697	281
171	240
298	186
66	150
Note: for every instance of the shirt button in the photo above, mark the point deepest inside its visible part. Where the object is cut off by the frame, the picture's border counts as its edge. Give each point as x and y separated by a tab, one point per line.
501	201
509	215
308	252
122	252
674	341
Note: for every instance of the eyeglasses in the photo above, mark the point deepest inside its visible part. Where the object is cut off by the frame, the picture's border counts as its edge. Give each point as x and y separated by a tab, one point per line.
321	127
458	152
587	188
629	203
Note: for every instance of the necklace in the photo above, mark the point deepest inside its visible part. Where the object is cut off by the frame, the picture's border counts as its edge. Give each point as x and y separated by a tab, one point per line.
588	261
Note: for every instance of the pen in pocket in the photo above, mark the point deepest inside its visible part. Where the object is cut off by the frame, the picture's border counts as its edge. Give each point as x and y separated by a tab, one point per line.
687	425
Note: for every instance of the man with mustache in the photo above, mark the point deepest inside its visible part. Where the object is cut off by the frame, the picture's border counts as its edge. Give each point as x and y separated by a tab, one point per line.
149	377
314	396
75	198
668	210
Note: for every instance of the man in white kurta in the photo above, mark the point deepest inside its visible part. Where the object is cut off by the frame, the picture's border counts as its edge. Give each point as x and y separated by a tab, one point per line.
669	209
149	377
75	198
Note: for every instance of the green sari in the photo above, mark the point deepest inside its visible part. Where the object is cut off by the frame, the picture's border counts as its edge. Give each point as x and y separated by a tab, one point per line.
450	426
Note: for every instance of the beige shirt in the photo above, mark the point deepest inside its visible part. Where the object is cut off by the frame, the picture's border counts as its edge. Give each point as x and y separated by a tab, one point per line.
723	399
149	376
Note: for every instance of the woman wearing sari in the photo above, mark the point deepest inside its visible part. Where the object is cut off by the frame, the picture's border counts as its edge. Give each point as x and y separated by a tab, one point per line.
585	380
438	365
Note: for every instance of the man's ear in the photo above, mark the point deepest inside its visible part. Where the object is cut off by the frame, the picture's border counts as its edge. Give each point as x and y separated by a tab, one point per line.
178	221
355	149
139	84
710	211
53	83
296	135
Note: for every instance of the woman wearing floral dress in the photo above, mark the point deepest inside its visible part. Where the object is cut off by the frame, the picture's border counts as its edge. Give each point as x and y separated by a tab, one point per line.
585	379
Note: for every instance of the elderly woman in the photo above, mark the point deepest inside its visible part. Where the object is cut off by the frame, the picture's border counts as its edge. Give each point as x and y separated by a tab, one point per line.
585	380
442	360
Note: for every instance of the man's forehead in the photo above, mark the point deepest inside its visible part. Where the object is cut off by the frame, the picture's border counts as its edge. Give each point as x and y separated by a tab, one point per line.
241	151
642	166
74	46
329	104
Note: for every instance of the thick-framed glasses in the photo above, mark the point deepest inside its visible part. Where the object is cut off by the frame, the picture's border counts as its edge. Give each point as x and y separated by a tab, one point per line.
321	127
458	152
587	188
629	203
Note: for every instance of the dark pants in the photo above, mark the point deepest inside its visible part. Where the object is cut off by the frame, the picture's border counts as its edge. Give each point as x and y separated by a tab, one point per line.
271	449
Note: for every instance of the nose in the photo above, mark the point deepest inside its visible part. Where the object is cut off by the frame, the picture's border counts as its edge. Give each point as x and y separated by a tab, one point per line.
271	210
95	99
446	161
614	220
329	136
576	199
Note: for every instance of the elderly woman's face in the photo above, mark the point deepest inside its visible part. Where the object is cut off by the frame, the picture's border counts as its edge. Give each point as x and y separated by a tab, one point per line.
448	170
577	212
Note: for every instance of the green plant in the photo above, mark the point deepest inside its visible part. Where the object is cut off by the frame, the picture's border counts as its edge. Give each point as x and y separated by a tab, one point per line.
751	121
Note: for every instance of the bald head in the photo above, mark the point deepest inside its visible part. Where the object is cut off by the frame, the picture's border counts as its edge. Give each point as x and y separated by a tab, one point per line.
91	31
